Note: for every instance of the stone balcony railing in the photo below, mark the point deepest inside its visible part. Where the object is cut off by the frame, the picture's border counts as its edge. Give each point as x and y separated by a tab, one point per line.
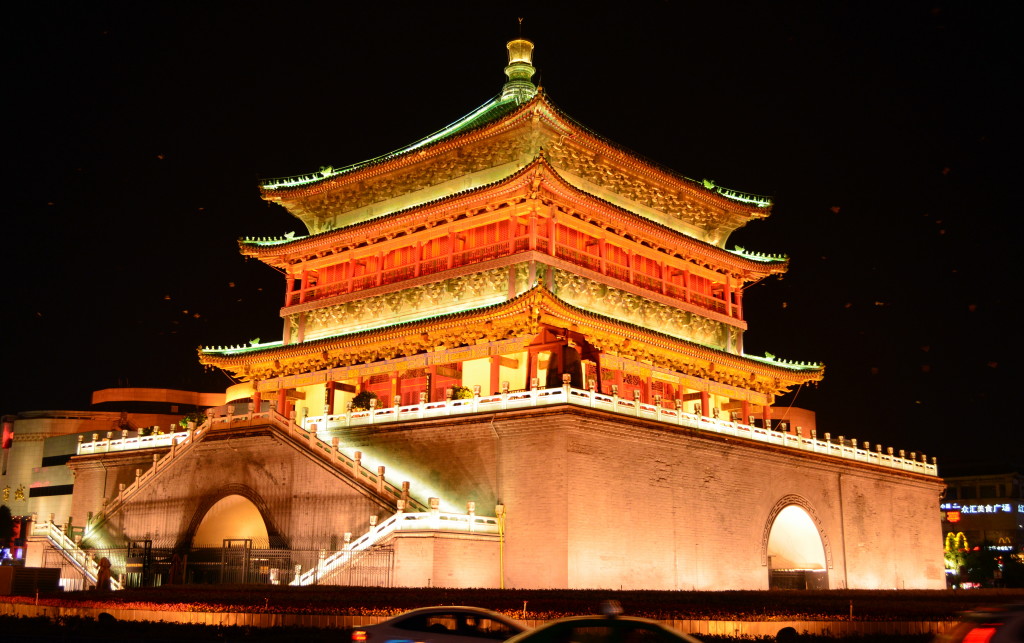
848	449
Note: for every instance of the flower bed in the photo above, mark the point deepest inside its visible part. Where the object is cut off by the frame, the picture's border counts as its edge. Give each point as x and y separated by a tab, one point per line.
543	604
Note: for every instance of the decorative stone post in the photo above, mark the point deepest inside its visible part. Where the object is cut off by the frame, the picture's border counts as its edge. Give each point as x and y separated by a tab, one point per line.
471	508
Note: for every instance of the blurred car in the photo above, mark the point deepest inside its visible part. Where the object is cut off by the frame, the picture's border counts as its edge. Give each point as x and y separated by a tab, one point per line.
610	628
1003	624
445	624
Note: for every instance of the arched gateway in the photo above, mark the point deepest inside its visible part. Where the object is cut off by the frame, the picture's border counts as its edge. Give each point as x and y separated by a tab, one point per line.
795	548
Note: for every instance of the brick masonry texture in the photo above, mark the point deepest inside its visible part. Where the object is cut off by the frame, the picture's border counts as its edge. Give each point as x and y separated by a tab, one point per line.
593	501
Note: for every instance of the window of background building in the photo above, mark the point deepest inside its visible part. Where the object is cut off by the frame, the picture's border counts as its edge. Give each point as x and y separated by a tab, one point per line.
968	493
988	491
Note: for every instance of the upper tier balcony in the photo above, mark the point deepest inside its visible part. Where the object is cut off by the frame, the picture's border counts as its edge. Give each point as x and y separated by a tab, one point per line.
667	276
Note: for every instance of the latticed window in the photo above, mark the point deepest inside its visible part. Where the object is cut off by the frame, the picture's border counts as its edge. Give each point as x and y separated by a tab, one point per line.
647	266
435	255
364	266
399	257
616	261
700	285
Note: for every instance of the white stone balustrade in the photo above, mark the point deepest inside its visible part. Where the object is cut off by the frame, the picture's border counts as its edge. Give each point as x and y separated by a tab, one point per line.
532	399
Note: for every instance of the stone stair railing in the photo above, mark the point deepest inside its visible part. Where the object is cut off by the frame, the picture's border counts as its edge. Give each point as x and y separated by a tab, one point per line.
82	560
433	520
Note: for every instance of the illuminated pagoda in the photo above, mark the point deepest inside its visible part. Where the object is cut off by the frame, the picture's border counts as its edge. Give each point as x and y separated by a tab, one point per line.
511	248
512	356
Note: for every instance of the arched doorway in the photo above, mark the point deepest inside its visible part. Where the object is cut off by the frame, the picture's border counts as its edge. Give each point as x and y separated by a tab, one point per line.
795	552
230	545
232	517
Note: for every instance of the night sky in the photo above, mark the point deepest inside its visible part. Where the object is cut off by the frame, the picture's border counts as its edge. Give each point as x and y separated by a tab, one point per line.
882	130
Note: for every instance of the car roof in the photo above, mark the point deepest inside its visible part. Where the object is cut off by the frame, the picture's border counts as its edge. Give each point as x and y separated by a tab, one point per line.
441	609
449	608
597	620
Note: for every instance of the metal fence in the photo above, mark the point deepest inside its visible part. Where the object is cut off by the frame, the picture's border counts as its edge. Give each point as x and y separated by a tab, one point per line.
237	562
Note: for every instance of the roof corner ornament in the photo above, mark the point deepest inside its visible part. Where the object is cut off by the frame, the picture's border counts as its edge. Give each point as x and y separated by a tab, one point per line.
520	71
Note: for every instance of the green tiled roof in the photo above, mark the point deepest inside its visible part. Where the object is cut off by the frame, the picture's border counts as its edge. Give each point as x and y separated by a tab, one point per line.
490	111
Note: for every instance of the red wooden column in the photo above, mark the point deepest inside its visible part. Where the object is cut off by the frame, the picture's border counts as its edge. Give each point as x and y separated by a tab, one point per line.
289	289
329	399
531	367
431	379
282	401
705	402
396	387
533	229
495	374
257	399
552	235
745	410
766	414
418	258
738	294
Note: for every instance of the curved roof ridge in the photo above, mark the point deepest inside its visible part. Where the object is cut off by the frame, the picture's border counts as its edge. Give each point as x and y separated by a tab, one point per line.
493	110
749	198
538	290
539	160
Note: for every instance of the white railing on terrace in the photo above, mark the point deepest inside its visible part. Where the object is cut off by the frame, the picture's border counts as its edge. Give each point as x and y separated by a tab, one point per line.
591	399
510	401
401	521
130	444
82	560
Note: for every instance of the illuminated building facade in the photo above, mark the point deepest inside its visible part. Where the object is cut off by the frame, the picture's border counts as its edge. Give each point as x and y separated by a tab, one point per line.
987	508
539	336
